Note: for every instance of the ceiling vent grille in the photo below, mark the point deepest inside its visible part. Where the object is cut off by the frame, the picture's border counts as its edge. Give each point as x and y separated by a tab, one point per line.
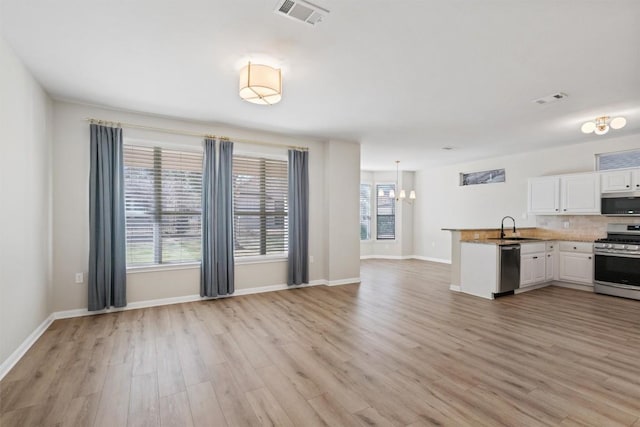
301	11
551	98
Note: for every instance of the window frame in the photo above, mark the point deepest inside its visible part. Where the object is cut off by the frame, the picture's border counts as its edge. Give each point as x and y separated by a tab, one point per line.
395	212
598	156
188	148
370	216
262	258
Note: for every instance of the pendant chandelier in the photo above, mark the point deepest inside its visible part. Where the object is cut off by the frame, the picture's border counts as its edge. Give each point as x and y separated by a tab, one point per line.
402	194
602	124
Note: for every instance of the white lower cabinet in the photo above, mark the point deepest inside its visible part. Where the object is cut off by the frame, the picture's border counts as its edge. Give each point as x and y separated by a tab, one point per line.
576	267
532	269
532	264
551	263
576	262
564	261
550	266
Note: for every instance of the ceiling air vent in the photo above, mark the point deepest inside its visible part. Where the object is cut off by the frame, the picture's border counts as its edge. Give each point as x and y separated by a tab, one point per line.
301	10
551	98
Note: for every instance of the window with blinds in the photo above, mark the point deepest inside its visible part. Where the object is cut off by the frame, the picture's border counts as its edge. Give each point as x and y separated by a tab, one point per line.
385	212
365	211
163	209
618	160
260	207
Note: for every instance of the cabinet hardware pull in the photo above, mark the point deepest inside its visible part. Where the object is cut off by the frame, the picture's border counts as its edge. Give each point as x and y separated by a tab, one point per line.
535	257
575	248
589	257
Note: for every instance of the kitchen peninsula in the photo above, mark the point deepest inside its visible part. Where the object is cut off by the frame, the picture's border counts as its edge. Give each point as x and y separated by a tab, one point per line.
545	256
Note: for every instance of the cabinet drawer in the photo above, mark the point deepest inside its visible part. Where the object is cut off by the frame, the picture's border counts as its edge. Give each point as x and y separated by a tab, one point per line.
551	246
584	247
529	248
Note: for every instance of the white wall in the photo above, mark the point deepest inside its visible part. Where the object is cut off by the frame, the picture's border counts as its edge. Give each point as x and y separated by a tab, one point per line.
25	217
342	206
402	246
70	207
442	203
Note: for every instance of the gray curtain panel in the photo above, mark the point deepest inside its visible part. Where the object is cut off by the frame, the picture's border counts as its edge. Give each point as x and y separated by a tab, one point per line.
207	265
298	265
107	247
224	224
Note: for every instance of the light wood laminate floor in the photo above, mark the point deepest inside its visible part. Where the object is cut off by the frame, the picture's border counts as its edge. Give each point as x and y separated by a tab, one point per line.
399	349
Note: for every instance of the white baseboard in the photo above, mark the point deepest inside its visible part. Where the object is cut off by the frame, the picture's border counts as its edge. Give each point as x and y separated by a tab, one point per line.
577	286
531	288
78	312
343	281
273	288
455	288
419	257
11	361
428	258
181	299
385	257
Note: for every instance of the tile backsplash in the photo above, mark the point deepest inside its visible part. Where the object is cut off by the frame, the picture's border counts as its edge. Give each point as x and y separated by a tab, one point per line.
585	227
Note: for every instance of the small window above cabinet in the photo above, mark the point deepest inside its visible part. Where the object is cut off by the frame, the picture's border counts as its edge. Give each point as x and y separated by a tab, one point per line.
620	181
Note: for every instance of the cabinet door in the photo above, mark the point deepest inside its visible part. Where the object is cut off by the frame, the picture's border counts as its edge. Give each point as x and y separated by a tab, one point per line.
615	181
549	267
544	195
636	179
580	193
532	269
526	270
576	267
539	265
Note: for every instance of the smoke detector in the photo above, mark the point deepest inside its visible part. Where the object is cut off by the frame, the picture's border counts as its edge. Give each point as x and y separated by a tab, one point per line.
301	11
551	98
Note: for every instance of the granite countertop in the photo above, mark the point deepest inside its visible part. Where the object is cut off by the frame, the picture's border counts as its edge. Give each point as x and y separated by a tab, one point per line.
483	229
507	241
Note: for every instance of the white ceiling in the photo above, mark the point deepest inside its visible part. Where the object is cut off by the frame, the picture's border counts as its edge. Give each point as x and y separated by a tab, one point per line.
404	78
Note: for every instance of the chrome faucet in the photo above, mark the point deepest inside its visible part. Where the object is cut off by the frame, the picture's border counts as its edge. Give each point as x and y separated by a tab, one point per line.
502	226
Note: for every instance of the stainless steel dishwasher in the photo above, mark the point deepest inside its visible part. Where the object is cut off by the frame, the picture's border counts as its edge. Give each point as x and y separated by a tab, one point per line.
509	268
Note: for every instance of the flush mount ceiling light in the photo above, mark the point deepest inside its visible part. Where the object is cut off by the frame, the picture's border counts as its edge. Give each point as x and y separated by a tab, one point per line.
403	194
261	84
601	125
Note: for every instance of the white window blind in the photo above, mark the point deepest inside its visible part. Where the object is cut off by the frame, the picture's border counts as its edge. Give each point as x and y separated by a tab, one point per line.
618	160
259	206
385	212
365	211
163	209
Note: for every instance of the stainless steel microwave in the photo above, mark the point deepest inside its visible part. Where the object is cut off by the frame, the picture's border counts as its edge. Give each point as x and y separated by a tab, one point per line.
620	206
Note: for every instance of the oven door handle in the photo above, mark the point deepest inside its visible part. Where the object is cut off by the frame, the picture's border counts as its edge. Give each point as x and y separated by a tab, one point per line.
616	254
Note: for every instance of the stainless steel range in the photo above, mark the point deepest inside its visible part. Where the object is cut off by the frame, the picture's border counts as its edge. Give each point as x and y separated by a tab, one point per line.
617	267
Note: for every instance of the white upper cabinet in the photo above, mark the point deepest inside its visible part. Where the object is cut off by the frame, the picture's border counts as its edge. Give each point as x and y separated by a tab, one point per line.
544	195
565	194
580	193
620	181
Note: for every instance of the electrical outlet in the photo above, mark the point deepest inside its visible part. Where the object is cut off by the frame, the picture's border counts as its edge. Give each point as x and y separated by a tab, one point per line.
476	236
565	224
311	259
79	277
